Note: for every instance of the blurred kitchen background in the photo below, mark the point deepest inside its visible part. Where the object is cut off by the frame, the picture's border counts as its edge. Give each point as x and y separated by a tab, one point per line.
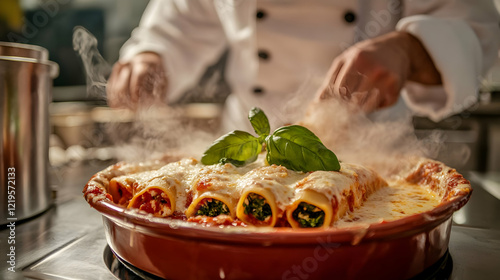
472	138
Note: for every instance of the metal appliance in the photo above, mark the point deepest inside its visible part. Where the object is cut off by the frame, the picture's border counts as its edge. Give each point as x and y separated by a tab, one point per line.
26	77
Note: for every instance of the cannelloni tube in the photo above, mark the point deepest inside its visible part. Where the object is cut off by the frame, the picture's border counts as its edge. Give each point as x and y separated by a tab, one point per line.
257	206
310	209
265	193
121	189
212	204
98	188
170	177
335	193
367	182
156	200
214	191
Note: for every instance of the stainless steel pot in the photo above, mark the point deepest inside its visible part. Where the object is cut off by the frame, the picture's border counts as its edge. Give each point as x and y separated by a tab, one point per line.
25	93
23	50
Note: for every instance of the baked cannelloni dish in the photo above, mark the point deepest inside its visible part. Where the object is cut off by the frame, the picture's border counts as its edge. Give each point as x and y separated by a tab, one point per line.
266	195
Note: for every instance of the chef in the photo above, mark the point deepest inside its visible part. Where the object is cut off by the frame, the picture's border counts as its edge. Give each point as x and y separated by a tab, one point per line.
425	57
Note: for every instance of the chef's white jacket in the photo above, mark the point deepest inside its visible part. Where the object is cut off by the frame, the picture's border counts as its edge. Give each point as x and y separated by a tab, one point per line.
281	50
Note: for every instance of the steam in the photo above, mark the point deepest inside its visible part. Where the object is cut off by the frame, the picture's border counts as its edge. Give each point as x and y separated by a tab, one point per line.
97	69
385	146
158	131
153	130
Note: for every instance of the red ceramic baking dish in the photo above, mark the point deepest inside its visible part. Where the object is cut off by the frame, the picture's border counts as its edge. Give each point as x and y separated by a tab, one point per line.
175	249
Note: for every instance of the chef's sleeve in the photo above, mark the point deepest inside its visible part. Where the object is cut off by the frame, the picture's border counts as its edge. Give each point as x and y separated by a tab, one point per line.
462	37
186	34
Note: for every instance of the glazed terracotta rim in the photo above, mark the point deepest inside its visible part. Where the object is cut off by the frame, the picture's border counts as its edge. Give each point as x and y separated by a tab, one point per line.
399	228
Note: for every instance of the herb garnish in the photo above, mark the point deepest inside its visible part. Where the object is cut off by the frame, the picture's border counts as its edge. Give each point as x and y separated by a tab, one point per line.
294	147
308	215
257	206
237	147
212	208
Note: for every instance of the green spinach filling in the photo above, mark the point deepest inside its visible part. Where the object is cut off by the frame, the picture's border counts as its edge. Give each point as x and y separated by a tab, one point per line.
212	208
308	215
257	206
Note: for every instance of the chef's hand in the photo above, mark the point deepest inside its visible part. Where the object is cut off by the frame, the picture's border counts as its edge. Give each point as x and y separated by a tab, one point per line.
371	73
138	82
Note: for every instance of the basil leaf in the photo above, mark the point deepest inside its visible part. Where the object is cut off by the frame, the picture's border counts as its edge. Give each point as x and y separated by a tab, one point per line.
260	123
237	147
297	148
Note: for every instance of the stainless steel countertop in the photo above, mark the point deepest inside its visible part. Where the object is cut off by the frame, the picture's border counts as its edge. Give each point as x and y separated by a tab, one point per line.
68	241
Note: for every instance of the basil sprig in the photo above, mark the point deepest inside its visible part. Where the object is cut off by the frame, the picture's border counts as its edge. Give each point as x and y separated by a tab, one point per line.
294	147
237	147
297	148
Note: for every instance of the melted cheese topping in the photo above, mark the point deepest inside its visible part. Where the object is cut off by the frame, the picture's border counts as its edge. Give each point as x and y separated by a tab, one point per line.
191	179
276	179
399	199
329	183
